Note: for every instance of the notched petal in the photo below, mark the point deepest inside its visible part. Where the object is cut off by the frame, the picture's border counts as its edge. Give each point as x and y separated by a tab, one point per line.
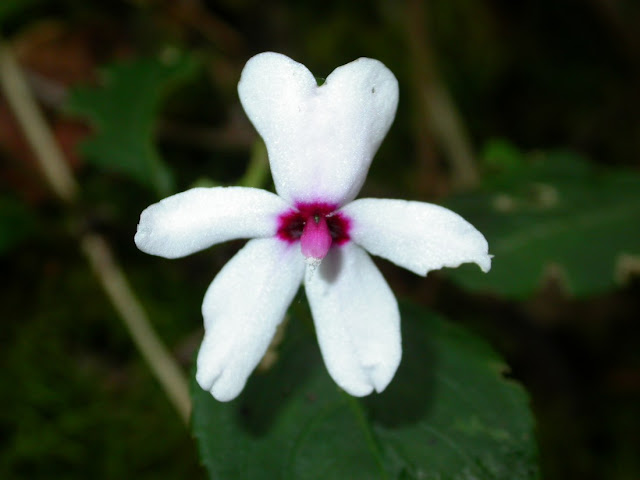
242	309
357	320
320	140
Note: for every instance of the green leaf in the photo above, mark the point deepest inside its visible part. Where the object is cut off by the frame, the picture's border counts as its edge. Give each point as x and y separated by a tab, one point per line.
448	414
500	154
555	215
123	112
17	222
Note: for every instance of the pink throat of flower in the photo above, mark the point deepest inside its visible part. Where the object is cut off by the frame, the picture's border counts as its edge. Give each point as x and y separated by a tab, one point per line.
316	225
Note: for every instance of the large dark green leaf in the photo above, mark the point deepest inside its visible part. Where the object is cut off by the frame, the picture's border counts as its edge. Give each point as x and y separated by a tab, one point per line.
123	112
554	214
448	414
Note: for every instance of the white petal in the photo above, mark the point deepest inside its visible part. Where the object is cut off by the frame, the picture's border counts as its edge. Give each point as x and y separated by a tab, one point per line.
241	310
357	320
320	140
417	236
198	218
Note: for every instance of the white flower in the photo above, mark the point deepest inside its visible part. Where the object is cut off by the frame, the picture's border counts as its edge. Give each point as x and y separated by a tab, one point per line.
320	141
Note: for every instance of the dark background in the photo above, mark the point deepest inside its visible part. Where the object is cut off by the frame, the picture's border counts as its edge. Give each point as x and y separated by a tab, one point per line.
76	400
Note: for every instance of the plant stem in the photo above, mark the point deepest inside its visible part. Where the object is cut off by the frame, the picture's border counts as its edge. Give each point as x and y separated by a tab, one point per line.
96	249
437	106
31	119
258	169
117	288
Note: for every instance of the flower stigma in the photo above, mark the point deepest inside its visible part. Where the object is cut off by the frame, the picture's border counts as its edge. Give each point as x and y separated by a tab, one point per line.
317	226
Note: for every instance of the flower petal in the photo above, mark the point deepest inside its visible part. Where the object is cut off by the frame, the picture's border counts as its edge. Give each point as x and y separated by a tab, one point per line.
241	310
357	320
198	218
417	236
320	140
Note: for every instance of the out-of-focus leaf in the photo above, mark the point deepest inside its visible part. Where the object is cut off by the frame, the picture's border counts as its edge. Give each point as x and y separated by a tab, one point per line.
448	414
16	223
502	155
123	113
554	215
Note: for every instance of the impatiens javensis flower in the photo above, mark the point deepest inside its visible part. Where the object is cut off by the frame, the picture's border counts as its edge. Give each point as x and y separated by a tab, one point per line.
320	141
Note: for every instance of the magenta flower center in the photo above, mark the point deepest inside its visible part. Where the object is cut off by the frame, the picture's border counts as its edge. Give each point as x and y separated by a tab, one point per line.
316	225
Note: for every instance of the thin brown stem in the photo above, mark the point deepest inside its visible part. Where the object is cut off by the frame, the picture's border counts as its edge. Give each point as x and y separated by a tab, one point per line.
97	251
436	104
35	128
117	288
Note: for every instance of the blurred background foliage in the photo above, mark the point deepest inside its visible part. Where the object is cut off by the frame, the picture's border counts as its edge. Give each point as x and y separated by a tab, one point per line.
522	116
